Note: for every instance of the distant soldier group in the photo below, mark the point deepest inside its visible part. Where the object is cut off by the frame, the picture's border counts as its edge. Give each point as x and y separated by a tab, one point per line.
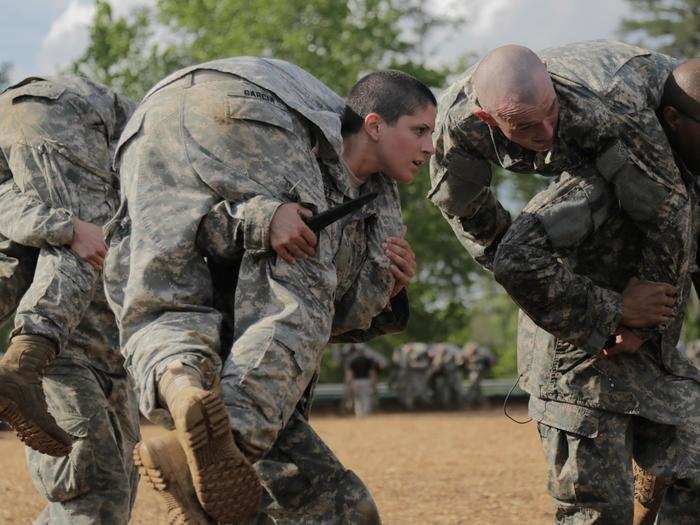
433	374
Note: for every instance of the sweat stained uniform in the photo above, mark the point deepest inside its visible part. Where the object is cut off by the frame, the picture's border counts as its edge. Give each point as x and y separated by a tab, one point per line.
232	140
57	136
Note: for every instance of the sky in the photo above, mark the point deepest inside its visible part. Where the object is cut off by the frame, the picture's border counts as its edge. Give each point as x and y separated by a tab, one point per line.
43	36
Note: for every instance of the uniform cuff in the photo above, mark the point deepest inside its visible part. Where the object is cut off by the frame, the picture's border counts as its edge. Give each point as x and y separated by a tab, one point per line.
257	217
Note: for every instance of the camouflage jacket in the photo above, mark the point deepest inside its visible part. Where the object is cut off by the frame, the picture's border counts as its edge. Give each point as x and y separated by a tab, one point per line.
226	201
565	260
57	137
608	93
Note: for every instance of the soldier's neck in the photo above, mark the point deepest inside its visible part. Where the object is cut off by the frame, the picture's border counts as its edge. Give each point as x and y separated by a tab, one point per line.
359	155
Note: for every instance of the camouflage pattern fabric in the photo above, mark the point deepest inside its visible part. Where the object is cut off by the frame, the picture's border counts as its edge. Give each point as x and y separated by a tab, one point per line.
590	472
97	481
558	279
608	94
57	136
306	483
206	160
411	374
446	374
478	360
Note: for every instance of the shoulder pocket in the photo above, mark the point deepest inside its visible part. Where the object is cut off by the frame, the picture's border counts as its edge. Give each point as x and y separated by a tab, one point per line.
259	111
46	90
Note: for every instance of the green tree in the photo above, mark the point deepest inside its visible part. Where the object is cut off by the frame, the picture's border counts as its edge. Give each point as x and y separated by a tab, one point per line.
671	26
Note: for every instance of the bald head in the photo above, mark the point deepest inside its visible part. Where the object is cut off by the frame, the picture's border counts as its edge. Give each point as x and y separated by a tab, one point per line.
510	75
682	89
517	96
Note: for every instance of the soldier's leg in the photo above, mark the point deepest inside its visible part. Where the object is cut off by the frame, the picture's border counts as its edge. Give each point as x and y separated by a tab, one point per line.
681	503
33	281
17	265
308	483
590	478
96	482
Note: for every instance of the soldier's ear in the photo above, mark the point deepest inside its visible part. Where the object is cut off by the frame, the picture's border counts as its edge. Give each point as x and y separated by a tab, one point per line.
373	125
485	116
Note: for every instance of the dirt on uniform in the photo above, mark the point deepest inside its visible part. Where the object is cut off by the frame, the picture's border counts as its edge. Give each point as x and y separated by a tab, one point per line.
426	468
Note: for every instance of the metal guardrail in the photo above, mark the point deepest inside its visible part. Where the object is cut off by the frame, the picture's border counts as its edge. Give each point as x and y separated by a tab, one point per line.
328	392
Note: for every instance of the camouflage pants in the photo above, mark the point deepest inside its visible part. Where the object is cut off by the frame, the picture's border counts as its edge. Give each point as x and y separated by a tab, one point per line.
474	394
306	483
17	265
591	478
96	483
412	385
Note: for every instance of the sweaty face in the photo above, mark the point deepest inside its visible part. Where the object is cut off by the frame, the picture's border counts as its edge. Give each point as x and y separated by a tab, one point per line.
407	144
531	126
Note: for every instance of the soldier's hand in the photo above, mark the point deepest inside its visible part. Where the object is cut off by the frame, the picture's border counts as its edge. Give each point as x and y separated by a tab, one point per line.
89	243
646	303
290	237
403	262
626	341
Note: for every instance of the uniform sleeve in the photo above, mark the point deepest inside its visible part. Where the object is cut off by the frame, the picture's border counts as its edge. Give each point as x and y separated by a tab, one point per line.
651	191
529	265
460	188
26	220
231	227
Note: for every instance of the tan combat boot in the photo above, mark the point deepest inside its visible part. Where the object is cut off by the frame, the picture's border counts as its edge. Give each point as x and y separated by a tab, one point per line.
649	492
225	482
163	464
22	401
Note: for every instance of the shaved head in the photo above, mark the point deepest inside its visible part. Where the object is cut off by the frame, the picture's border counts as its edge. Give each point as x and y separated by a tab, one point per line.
510	75
682	89
516	95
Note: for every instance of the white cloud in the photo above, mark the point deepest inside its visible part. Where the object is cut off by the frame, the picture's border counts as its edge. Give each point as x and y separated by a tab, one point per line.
67	37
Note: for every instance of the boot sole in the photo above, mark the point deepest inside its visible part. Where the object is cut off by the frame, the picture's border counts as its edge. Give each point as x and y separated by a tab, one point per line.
159	479
29	432
226	484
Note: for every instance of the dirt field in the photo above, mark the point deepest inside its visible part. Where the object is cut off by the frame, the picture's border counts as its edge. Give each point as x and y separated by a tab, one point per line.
429	468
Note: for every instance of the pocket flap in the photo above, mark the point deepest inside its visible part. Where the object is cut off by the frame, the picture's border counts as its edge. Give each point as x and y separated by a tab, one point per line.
260	111
47	90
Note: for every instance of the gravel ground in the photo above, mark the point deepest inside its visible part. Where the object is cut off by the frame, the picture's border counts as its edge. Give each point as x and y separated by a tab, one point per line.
427	468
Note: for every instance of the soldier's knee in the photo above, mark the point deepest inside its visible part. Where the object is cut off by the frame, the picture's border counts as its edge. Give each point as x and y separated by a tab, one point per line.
358	498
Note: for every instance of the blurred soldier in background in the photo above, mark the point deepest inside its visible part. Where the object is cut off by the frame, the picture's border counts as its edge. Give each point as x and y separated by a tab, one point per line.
411	374
361	377
446	377
478	360
57	136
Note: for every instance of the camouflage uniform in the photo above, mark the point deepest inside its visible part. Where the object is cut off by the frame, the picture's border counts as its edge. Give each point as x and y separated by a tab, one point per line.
411	374
565	261
608	93
239	137
478	360
446	363
56	138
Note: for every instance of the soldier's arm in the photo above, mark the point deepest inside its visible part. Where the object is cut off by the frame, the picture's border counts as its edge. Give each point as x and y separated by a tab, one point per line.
527	264
650	189
460	188
26	220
